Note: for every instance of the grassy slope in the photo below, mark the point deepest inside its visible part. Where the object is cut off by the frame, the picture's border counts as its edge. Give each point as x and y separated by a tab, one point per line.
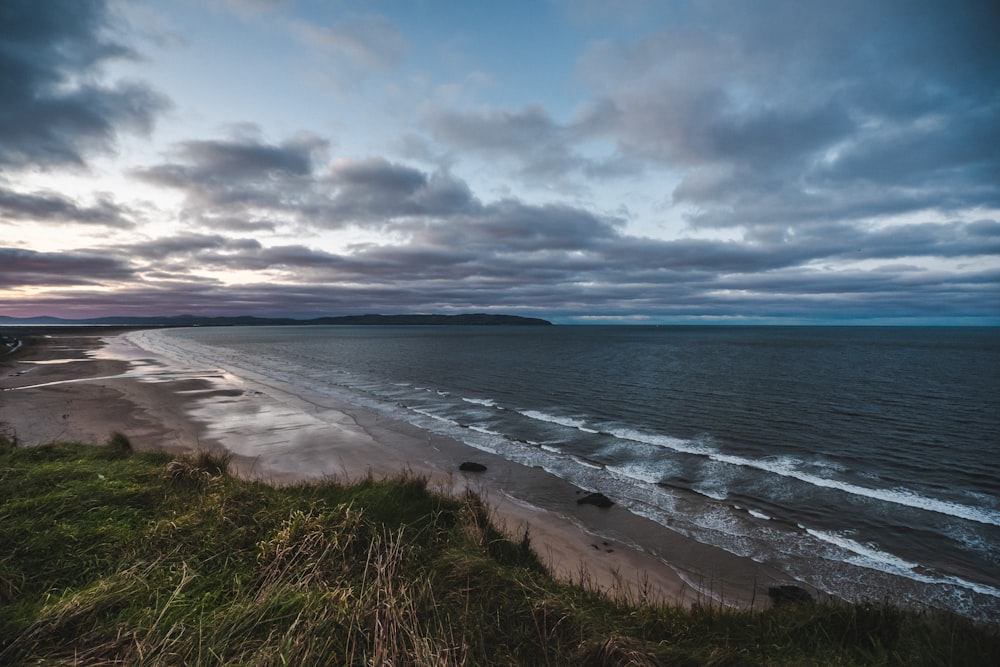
110	557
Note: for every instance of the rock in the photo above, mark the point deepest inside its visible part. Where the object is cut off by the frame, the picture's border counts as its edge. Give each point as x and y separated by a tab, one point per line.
472	466
788	594
598	499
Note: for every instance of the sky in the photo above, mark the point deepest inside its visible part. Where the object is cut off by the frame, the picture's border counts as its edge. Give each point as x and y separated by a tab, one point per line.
585	161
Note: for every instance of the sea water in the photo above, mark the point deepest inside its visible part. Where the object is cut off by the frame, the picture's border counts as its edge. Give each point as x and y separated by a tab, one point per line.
861	461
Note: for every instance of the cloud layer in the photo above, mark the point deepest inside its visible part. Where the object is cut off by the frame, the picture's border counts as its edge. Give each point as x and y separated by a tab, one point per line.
54	112
834	162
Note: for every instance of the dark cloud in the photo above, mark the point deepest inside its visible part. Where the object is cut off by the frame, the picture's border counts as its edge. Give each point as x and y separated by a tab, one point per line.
941	240
506	132
808	295
844	147
242	183
231	171
376	190
588	268
784	113
512	227
780	114
542	149
245	184
237	161
449	250
55	112
51	207
19	268
379	176
189	246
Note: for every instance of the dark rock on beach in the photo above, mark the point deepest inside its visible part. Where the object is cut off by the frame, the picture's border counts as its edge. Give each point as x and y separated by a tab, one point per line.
598	499
788	594
472	466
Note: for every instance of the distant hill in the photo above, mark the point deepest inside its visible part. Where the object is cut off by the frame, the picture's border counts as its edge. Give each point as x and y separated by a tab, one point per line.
471	318
195	320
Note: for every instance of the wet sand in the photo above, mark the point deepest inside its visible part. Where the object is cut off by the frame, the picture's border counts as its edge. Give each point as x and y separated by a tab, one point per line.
85	385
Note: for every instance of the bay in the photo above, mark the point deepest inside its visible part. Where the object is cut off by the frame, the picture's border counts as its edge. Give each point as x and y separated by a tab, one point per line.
861	461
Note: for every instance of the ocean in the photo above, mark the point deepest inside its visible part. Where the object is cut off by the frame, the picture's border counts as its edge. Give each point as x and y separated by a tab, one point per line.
859	461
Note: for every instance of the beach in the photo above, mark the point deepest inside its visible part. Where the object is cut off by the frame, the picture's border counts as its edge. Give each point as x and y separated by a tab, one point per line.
84	385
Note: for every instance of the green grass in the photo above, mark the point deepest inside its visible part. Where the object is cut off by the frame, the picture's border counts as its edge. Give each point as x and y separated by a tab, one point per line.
109	557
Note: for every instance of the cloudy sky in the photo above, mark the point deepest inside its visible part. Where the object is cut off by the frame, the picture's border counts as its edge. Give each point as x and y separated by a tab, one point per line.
580	160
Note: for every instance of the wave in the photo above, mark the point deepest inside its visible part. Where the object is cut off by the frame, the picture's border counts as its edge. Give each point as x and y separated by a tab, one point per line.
568	422
427	413
864	555
486	402
898	496
594	465
788	467
720	522
873	558
785	467
638	470
714	494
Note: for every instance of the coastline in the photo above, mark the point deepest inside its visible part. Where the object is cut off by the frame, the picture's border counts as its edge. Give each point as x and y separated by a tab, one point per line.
86	385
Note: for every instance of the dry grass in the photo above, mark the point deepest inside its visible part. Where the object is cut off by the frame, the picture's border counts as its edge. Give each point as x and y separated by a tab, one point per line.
115	559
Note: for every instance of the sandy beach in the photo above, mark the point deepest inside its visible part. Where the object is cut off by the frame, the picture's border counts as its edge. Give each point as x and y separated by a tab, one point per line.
87	384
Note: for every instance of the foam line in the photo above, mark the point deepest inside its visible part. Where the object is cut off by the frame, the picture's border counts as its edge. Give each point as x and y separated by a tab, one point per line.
898	496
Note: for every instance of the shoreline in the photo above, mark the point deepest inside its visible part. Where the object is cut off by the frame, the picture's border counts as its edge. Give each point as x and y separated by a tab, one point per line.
86	385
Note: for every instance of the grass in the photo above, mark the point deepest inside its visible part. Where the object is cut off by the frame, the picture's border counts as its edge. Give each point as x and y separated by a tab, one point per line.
110	557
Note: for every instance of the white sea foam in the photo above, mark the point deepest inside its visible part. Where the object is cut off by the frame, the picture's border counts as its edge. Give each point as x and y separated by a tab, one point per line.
865	555
758	515
898	496
640	470
487	402
589	464
709	492
568	422
871	557
788	467
425	413
668	442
